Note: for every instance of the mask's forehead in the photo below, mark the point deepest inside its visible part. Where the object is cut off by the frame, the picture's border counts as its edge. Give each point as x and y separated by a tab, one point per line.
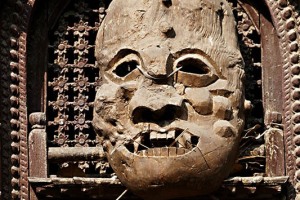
141	24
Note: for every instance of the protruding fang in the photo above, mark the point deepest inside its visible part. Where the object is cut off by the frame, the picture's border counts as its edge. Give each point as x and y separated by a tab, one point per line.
146	127
139	143
181	142
171	134
178	137
136	144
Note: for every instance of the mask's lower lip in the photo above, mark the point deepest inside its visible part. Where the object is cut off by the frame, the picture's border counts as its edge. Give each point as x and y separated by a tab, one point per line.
172	143
163	152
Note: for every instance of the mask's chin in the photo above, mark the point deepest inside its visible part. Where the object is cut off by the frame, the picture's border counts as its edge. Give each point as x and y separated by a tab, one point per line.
171	164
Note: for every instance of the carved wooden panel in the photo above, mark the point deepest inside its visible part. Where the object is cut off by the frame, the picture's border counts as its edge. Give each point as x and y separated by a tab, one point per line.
73	75
72	78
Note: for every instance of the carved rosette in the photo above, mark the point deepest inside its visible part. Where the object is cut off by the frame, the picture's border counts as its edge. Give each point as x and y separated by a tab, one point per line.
73	76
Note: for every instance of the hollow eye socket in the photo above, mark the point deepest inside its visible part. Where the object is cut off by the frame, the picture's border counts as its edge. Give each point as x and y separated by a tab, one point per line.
194	71
125	68
193	66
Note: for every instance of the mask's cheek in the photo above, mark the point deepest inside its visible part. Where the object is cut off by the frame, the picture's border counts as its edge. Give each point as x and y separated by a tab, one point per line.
206	104
200	99
103	121
224	129
109	110
222	108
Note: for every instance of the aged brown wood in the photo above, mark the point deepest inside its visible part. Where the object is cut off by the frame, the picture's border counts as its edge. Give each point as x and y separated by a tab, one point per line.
271	72
79	188
110	188
75	154
13	88
37	141
38	153
274	152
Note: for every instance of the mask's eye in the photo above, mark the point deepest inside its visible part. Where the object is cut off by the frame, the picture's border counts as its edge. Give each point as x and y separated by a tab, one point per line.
193	66
193	70
125	68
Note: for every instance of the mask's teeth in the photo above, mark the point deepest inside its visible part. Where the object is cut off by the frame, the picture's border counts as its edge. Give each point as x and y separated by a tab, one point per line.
144	153
171	135
184	140
165	151
161	136
150	152
172	151
153	135
180	151
157	151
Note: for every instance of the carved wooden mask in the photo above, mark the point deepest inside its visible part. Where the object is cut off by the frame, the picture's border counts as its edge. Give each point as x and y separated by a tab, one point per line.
170	107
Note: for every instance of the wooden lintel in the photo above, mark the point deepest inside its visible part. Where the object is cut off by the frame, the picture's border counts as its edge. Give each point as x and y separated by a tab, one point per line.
266	188
64	154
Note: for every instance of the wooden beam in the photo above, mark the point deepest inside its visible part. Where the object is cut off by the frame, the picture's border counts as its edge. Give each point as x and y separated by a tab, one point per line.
64	154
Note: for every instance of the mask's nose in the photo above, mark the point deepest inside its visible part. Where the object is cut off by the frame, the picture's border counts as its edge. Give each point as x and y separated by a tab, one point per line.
157	61
158	105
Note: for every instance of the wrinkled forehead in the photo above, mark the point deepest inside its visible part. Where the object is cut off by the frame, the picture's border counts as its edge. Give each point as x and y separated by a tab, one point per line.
186	24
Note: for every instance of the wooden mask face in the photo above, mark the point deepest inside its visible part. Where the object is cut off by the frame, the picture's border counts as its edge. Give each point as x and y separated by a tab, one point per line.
170	109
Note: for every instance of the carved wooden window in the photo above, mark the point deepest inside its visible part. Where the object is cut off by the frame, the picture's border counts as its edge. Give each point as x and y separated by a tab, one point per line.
73	77
62	79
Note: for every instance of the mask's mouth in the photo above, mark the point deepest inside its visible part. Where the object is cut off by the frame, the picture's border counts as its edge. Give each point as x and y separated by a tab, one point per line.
171	143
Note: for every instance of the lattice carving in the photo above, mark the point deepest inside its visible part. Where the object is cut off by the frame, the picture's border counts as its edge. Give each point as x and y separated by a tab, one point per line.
73	77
